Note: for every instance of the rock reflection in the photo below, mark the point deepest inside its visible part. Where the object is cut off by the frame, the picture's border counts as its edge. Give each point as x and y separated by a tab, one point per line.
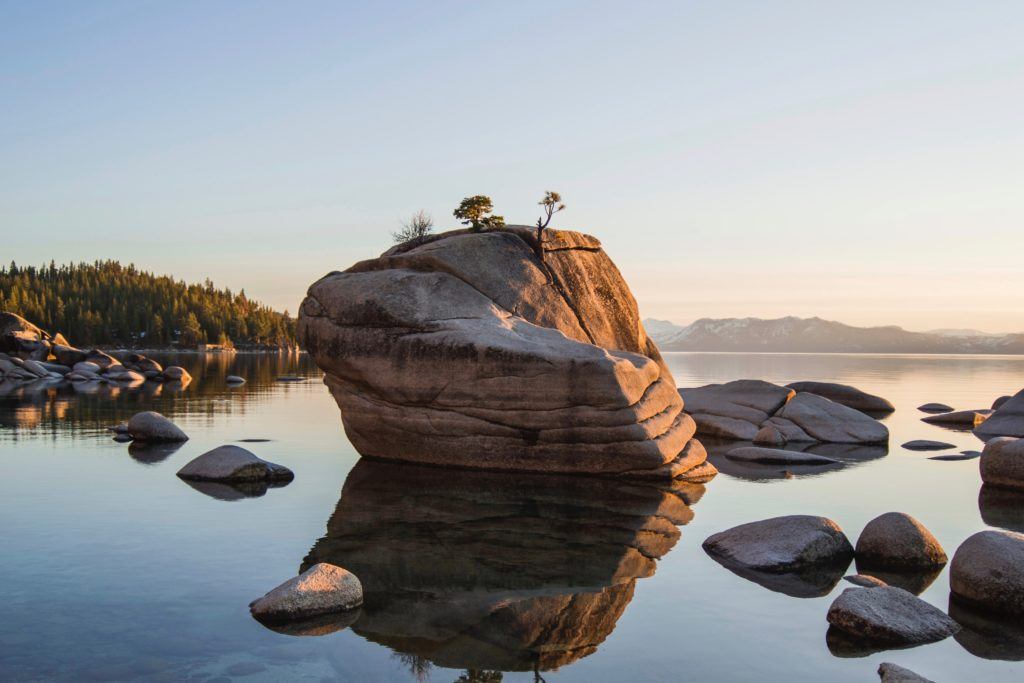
151	453
497	570
234	491
987	635
913	582
812	582
848	455
1003	508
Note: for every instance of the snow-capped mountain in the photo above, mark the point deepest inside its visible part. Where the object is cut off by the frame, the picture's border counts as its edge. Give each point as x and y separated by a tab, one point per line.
793	334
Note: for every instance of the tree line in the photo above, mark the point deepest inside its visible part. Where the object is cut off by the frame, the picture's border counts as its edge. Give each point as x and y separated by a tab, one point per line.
106	303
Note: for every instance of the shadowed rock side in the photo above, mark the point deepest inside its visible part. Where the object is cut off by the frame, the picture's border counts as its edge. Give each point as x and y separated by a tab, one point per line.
470	351
497	570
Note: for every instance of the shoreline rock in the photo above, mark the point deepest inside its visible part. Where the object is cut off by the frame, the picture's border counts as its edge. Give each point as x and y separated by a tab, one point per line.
152	426
846	395
897	541
322	589
885	614
230	463
781	544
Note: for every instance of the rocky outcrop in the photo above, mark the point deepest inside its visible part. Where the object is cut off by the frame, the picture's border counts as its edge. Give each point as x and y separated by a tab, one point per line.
233	464
1008	420
1002	463
469	350
498	570
781	544
885	614
754	410
844	394
322	589
987	571
897	541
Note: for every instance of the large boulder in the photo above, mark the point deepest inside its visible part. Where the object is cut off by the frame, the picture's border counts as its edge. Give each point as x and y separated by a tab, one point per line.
987	571
897	541
151	426
233	464
844	394
809	417
321	589
68	355
887	614
1008	420
470	350
1002	463
18	335
734	410
781	544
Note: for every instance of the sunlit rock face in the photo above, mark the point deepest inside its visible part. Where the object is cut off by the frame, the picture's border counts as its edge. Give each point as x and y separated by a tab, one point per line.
470	350
497	570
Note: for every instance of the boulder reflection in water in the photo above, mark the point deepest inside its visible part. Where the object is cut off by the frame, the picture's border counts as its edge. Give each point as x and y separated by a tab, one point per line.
496	570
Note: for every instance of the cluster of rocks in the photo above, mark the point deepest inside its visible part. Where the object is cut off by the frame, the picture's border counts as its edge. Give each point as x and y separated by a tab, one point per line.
773	415
471	350
1006	413
29	354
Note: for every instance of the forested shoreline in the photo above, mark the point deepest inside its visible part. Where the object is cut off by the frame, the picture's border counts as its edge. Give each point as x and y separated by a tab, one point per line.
106	303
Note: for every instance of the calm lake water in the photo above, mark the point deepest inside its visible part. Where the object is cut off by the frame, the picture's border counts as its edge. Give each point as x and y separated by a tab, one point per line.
114	569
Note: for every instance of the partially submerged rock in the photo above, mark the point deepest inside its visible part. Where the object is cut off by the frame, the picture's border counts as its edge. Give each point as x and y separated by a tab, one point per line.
735	410
769	435
176	373
846	395
963	455
234	379
781	544
886	614
959	418
987	571
808	417
891	673
897	541
927	445
469	350
1002	463
231	463
1008	420
152	426
935	408
778	457
865	580
322	589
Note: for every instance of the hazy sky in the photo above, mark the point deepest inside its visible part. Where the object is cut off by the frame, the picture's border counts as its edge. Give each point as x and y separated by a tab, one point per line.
858	161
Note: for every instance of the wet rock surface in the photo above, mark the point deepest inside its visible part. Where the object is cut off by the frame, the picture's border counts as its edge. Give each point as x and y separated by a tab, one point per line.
886	614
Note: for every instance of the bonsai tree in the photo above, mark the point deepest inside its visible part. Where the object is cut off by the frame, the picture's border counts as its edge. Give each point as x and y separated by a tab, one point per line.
415	229
552	204
473	211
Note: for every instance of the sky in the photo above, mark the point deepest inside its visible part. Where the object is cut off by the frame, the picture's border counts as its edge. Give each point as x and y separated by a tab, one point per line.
862	162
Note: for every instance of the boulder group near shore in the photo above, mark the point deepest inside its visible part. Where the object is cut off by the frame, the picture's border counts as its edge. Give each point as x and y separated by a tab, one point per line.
755	410
480	349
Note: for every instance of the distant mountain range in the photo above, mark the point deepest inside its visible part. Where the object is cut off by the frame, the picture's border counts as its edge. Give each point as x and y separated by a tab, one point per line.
814	335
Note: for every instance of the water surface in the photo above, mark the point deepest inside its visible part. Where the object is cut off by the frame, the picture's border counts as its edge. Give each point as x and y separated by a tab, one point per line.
114	569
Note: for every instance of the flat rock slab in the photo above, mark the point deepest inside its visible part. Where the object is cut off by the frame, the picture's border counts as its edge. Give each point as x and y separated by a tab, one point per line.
809	417
898	542
781	544
935	408
865	580
151	426
851	397
1008	420
988	572
777	457
965	455
233	464
892	673
959	418
889	615
734	410
1002	463
322	589
927	445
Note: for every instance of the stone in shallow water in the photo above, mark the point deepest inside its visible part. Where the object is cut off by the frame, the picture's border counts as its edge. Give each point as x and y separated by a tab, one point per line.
959	418
865	580
777	456
152	426
846	395
987	571
1002	463
781	544
963	455
895	540
891	673
322	589
935	408
234	379
231	463
734	410
927	445
1008	420
886	614
808	417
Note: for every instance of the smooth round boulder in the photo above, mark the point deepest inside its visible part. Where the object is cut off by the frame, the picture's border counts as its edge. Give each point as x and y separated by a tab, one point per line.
891	673
234	379
36	368
1002	463
887	614
176	373
148	365
781	544
322	589
68	355
935	408
927	445
897	541
987	571
103	360
152	426
86	368
233	464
